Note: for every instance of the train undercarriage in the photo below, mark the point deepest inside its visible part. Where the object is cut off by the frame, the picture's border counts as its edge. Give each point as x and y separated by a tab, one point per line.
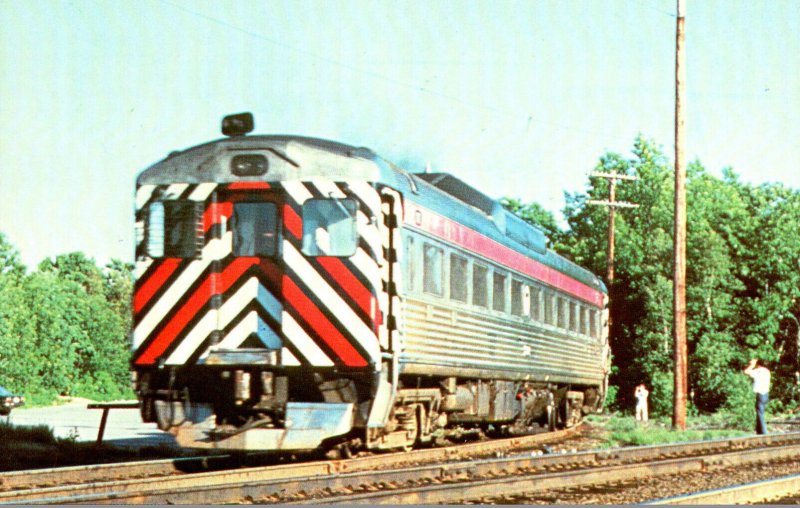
251	409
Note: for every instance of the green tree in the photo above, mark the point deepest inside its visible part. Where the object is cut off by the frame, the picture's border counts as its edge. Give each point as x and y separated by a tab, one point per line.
64	328
16	360
87	322
10	262
743	256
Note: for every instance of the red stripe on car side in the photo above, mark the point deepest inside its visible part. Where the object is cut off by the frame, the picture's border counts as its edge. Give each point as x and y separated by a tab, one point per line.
470	239
321	325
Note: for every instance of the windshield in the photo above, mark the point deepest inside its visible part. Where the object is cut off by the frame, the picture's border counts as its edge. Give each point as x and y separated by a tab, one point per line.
329	227
172	229
255	229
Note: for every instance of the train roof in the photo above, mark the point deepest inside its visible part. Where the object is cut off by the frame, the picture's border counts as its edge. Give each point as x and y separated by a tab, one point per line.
298	157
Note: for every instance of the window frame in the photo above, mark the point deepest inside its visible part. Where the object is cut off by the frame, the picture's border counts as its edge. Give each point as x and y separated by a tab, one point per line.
426	272
549	307
464	287
562	312
412	264
276	230
190	220
475	279
520	298
503	301
574	315
536	303
306	249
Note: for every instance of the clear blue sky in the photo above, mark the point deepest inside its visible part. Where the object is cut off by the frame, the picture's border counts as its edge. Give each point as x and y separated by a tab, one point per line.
519	98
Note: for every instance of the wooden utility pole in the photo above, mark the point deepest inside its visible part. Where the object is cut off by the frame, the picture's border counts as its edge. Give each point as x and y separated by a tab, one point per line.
612	204
679	284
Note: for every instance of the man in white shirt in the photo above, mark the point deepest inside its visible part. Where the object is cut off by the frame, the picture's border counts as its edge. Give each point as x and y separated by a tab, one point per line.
761	378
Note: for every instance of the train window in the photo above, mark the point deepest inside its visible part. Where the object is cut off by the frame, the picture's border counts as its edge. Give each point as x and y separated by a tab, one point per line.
329	227
549	310
479	287
155	230
499	291
561	312
520	298
584	330
411	264
172	229
593	315
458	277
255	229
573	316
536	304
433	270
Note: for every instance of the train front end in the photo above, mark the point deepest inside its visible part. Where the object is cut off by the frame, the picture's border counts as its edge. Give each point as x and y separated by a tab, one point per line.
258	304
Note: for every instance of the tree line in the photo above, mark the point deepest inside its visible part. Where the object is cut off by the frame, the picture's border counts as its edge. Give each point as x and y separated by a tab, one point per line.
743	279
64	327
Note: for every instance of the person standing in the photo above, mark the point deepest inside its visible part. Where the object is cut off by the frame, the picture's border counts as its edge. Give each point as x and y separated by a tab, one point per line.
641	394
761	379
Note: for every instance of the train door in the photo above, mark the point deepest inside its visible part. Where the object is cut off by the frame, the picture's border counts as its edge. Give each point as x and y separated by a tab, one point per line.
245	281
209	280
390	302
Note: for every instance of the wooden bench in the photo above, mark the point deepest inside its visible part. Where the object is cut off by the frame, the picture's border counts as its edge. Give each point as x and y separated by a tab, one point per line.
106	407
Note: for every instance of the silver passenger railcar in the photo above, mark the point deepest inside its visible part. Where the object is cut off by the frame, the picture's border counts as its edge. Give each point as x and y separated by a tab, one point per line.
295	293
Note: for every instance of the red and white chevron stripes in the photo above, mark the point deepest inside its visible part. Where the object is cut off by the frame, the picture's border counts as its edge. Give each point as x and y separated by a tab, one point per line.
319	311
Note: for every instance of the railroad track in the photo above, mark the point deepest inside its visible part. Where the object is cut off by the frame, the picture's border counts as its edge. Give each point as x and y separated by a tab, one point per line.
370	480
498	490
61	476
781	491
475	481
134	482
456	476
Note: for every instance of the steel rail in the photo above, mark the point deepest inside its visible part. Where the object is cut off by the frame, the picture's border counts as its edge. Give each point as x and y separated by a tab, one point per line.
163	467
284	481
536	483
748	493
98	479
106	472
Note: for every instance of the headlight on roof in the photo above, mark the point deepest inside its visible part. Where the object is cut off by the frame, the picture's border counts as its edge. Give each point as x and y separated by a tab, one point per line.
251	164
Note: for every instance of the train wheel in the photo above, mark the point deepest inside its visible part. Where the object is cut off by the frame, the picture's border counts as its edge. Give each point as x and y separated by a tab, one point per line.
563	413
569	412
409	421
552	417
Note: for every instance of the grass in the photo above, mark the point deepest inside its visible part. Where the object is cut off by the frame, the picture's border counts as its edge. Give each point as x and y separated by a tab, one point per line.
35	447
626	431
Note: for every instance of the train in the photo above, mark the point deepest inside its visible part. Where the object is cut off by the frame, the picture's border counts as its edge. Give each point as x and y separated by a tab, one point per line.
294	293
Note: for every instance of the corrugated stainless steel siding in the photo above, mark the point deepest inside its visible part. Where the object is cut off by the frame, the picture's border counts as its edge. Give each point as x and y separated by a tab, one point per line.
457	340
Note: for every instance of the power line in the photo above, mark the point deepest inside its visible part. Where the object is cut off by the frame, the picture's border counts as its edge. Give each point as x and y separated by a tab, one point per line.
527	119
331	61
656	9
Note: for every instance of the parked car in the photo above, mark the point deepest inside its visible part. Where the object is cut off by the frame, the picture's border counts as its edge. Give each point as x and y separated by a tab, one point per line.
9	401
